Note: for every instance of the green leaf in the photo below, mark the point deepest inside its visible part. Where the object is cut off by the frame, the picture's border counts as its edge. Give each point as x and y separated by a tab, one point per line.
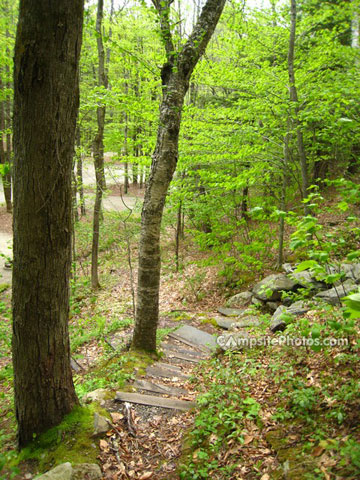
353	255
306	265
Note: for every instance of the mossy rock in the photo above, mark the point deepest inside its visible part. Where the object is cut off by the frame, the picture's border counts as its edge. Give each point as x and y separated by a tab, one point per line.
71	441
294	461
178	316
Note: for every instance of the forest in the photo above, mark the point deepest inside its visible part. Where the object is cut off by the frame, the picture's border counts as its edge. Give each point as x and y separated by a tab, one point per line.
179	239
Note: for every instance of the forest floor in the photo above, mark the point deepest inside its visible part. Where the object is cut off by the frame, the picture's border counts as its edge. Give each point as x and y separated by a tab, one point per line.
266	413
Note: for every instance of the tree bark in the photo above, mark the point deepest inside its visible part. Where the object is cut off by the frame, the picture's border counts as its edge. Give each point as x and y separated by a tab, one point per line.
295	100
175	74
46	100
98	148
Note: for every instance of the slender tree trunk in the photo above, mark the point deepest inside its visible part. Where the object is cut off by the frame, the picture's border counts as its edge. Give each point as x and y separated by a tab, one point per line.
126	177
245	203
285	175
46	100
175	75
295	100
80	184
178	235
5	177
126	147
98	147
79	173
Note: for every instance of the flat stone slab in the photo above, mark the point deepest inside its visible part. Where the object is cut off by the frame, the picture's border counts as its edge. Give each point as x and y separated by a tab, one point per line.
156	388
224	322
173	348
174	356
250	321
165	372
154	401
194	337
230	312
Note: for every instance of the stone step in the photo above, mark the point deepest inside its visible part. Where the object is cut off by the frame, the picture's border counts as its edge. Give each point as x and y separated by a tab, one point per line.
165	372
157	388
154	401
195	338
174	348
175	356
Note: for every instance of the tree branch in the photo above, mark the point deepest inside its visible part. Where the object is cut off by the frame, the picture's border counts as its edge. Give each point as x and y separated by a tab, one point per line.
163	9
200	36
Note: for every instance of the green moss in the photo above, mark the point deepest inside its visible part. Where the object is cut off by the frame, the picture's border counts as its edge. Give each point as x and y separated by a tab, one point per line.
292	458
178	316
208	320
71	441
114	373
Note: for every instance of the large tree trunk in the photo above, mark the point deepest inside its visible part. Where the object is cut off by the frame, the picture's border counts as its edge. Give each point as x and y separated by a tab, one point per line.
46	102
98	147
295	100
175	74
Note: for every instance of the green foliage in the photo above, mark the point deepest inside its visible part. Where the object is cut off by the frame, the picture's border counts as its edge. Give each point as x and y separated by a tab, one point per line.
223	410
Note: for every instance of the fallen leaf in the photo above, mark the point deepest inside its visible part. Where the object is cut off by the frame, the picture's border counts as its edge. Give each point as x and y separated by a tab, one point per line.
103	444
116	417
248	439
266	476
146	475
317	451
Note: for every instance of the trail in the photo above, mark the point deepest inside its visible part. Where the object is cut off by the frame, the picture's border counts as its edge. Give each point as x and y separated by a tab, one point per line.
115	203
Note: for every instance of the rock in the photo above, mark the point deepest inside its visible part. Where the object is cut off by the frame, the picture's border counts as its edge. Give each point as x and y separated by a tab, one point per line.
287	267
306	280
194	337
333	295
61	472
98	395
239	300
277	323
250	321
257	302
101	425
75	365
225	322
351	271
287	301
230	312
278	283
86	471
233	341
273	305
298	308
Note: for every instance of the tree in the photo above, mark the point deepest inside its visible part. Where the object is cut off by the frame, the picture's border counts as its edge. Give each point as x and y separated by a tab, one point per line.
295	100
175	74
98	147
46	99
